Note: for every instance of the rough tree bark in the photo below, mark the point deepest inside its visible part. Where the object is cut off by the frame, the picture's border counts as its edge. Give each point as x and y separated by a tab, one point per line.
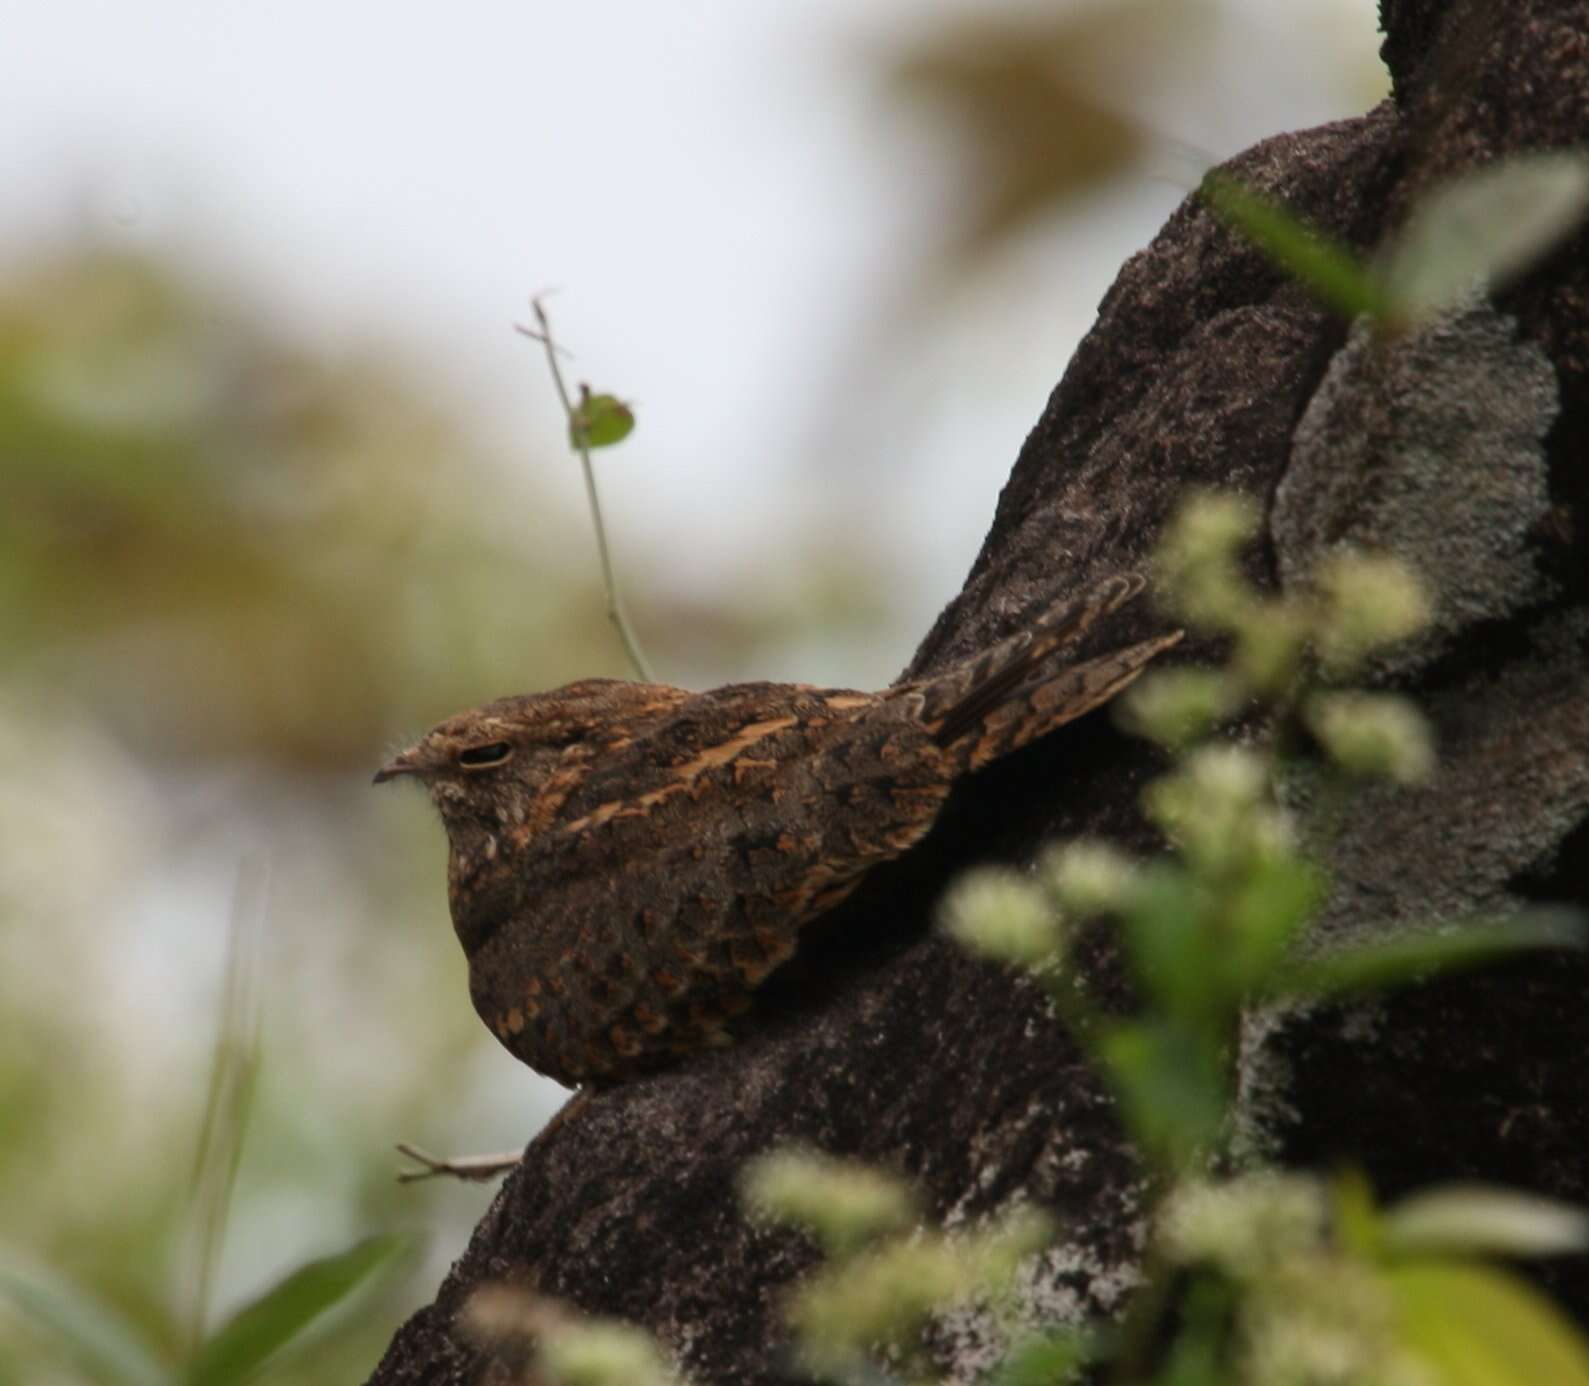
1463	449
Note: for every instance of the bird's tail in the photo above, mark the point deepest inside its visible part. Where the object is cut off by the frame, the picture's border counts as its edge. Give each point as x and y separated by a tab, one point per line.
1018	691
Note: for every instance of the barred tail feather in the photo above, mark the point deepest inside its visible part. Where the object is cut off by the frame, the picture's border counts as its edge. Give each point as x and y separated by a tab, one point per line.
954	701
1047	700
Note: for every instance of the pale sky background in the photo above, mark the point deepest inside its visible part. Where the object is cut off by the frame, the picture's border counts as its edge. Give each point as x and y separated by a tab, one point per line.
718	190
727	205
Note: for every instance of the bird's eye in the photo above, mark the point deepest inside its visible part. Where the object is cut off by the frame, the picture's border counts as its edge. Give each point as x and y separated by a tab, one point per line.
478	757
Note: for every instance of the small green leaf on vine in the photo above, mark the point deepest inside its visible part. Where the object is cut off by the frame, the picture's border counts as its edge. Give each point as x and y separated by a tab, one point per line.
599	421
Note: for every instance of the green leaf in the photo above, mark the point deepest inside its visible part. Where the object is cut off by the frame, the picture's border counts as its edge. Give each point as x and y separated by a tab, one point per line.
103	1344
1329	269
599	421
1477	1326
1263	915
1047	1359
1168	932
271	1322
1200	952
1479	1218
1415	956
1172	1087
1197	1355
1357	1220
1485	228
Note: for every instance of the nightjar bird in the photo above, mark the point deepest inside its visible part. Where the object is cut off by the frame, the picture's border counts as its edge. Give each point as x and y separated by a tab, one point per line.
631	861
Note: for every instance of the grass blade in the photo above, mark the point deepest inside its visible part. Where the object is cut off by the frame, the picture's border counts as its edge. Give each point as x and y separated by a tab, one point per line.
103	1344
232	1073
262	1328
1415	956
1333	273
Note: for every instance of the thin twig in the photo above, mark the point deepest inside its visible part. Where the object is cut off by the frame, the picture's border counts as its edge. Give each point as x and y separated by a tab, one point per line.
615	611
476	1168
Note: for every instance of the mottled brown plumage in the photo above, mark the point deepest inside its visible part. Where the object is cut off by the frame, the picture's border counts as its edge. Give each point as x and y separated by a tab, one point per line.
631	861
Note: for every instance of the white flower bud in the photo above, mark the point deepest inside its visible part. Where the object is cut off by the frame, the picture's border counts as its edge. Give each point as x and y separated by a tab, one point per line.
1374	734
1089	877
1369	601
1000	914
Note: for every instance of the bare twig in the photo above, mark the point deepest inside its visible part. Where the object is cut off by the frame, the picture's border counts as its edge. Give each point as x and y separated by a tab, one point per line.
477	1168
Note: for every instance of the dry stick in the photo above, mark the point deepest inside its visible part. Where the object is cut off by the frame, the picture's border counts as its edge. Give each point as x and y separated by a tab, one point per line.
472	1167
482	1167
615	611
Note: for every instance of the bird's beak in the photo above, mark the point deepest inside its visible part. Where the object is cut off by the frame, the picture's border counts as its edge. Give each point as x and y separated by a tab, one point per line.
405	764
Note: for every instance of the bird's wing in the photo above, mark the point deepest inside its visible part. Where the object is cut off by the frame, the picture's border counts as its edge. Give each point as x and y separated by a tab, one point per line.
681	872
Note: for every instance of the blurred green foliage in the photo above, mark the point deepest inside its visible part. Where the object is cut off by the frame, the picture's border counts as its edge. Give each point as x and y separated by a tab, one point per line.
1023	94
1251	1275
1474	233
233	570
1050	104
229	572
230	547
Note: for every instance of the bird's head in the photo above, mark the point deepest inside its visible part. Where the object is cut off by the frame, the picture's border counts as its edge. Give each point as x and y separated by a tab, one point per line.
486	768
